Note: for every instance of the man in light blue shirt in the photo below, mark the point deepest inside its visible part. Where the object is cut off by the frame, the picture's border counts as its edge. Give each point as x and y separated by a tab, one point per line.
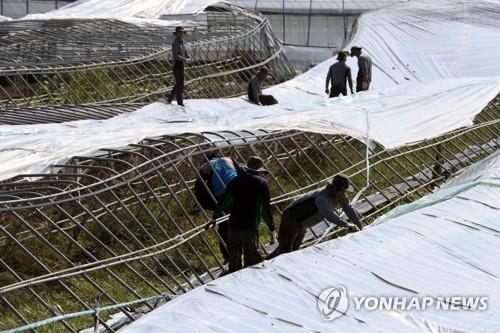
222	171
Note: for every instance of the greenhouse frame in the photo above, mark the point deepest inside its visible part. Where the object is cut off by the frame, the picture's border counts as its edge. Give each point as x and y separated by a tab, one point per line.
85	61
99	221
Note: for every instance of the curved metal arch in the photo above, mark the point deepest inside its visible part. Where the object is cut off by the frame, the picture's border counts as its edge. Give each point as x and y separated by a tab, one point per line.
149	186
141	71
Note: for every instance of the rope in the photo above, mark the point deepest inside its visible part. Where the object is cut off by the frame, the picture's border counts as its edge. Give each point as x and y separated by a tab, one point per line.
367	159
91	312
360	192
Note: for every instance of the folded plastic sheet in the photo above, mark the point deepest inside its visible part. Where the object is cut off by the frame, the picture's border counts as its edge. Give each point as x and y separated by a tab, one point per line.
145	9
397	115
447	247
315	6
432	74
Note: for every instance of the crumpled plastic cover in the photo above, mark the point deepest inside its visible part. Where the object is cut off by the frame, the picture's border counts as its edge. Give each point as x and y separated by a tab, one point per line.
442	245
146	9
435	67
315	6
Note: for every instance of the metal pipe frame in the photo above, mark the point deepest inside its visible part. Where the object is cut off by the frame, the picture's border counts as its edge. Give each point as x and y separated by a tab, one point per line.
124	224
95	61
65	113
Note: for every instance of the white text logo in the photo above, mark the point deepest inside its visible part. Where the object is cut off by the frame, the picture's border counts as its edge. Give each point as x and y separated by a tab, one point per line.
333	303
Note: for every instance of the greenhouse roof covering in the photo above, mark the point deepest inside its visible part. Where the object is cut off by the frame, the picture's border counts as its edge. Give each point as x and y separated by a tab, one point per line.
431	75
316	6
444	245
148	9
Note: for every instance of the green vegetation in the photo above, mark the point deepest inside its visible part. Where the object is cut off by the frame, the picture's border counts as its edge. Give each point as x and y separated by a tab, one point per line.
150	221
144	81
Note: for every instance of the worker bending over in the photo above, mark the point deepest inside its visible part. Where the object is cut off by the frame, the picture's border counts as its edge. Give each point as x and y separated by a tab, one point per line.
312	208
217	174
255	89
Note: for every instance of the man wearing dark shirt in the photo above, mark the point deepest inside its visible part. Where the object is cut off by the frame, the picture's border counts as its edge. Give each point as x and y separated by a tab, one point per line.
312	208
364	78
180	57
255	89
337	76
247	198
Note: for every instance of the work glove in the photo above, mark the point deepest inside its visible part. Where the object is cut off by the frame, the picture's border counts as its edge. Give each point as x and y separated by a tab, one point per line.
273	237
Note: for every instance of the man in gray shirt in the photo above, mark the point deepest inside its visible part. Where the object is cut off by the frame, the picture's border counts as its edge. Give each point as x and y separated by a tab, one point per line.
364	78
310	209
255	85
337	76
255	89
180	57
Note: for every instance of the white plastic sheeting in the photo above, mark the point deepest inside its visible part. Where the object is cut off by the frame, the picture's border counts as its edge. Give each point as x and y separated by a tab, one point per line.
145	9
398	115
435	67
315	6
443	245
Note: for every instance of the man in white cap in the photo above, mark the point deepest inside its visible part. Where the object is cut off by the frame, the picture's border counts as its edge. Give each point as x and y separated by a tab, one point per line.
364	78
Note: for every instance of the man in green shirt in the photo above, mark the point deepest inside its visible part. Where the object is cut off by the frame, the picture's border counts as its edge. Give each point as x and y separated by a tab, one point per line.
248	199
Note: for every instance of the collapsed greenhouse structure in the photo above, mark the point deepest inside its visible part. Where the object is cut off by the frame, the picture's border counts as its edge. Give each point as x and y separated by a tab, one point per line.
94	60
99	223
410	252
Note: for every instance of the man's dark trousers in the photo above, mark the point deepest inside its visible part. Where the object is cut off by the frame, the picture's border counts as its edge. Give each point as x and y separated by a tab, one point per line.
359	83
242	242
337	90
222	230
178	90
290	235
